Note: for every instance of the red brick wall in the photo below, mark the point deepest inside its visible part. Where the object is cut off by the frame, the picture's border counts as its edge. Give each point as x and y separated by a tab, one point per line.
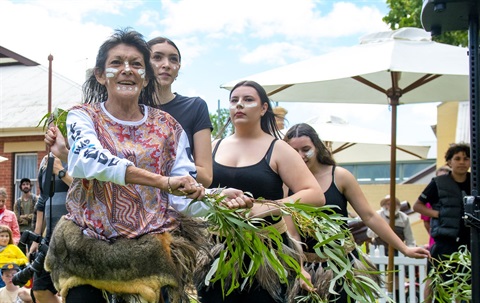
7	168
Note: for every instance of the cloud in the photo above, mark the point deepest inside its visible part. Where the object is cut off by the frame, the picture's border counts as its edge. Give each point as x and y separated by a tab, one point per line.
253	28
275	54
66	29
267	18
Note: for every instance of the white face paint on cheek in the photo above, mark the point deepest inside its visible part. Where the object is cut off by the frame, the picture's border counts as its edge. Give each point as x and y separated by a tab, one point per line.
243	105
141	72
310	154
110	72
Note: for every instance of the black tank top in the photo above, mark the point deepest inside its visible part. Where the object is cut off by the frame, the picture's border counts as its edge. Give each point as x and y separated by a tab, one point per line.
258	179
332	197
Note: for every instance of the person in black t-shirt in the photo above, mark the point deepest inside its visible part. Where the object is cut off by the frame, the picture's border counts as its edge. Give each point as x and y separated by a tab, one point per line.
190	112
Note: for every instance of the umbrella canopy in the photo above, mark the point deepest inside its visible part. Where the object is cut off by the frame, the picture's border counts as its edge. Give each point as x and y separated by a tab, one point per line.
404	62
386	68
353	144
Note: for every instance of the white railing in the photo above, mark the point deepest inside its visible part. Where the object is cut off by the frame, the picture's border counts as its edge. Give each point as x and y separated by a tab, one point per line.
411	274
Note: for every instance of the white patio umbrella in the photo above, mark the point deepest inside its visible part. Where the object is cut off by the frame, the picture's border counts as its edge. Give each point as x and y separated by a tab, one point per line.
353	144
386	68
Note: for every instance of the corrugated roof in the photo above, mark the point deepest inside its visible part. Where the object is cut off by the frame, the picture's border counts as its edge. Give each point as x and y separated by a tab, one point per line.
24	96
7	57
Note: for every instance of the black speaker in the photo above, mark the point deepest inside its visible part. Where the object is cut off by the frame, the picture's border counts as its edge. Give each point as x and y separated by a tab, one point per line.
440	16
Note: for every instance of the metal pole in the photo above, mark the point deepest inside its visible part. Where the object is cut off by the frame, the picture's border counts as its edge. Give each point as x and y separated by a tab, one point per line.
474	131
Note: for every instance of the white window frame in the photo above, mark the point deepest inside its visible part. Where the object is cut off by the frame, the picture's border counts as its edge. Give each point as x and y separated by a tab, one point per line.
32	174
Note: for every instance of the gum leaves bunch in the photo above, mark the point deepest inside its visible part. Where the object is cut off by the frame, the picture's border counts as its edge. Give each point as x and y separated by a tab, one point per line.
249	244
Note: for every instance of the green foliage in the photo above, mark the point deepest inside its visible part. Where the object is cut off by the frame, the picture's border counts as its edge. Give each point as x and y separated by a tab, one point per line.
252	239
407	13
58	117
451	279
219	121
335	241
244	237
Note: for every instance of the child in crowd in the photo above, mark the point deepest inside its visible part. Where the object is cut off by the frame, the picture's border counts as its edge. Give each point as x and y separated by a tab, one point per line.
8	217
9	252
11	293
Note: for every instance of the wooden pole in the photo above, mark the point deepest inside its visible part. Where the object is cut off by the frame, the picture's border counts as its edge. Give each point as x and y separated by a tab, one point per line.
49	103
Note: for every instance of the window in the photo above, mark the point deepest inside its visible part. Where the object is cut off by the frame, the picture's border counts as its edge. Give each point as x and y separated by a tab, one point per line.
379	173
25	167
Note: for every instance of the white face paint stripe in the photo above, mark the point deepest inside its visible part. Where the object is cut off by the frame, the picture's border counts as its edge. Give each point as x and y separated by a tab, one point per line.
127	66
309	154
110	72
251	104
141	72
244	105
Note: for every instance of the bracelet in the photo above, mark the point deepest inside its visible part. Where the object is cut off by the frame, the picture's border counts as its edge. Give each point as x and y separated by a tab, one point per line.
169	187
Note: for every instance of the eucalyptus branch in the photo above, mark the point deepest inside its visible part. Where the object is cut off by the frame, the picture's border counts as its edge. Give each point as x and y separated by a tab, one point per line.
335	246
246	238
58	117
451	279
250	236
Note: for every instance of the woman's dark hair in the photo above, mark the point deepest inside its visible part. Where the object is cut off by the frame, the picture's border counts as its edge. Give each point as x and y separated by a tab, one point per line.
267	122
94	92
456	148
323	154
159	40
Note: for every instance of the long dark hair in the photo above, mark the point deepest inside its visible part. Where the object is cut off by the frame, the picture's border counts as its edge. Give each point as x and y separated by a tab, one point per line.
94	92
323	154
267	122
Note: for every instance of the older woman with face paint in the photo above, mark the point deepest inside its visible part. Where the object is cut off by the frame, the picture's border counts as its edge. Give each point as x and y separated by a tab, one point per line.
121	240
341	188
190	112
254	160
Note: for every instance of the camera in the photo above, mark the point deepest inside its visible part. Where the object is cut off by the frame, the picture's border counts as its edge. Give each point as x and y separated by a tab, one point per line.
22	277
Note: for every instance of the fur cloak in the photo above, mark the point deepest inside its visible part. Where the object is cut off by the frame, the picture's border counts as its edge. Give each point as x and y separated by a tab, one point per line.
127	266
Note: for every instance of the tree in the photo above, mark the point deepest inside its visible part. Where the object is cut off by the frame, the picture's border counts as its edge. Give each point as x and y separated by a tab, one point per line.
219	121
405	13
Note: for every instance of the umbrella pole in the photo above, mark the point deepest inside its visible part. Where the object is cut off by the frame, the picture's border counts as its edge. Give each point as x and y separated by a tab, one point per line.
394	101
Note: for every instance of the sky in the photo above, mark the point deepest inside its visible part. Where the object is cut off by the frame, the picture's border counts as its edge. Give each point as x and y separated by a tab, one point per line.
219	40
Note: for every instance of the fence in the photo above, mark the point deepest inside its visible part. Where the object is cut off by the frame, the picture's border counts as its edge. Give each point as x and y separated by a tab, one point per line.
410	276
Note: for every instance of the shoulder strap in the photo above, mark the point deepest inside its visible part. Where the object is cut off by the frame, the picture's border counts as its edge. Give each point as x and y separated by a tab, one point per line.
216	147
268	155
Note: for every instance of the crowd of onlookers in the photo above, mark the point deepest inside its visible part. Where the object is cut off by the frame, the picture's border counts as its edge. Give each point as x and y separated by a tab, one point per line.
13	253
